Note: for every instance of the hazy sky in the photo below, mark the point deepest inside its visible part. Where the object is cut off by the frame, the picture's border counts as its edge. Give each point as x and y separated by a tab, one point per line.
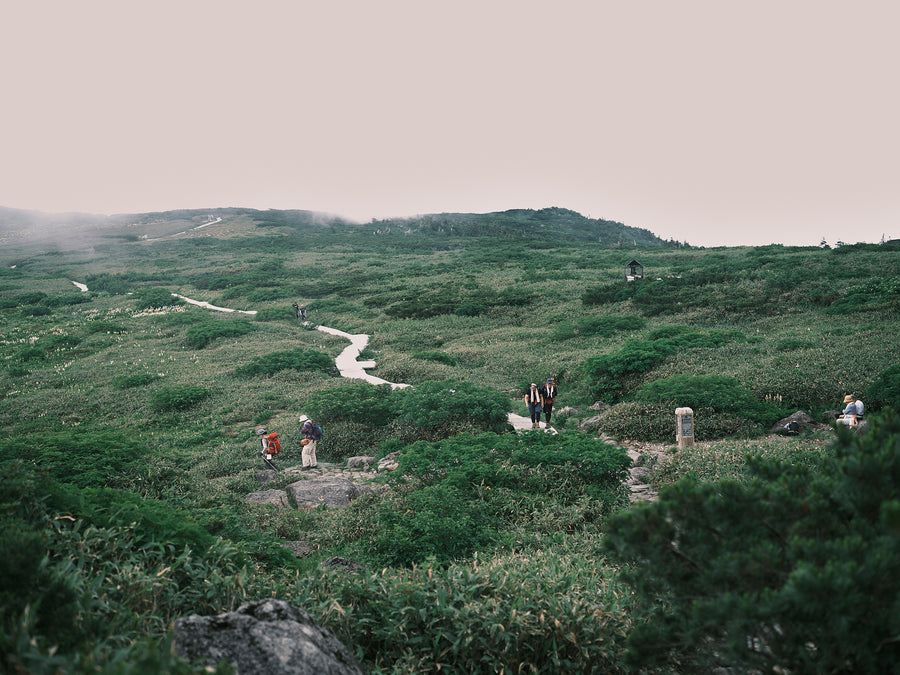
715	122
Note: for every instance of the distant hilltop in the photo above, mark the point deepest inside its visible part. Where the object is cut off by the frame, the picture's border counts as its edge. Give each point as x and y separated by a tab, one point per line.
554	224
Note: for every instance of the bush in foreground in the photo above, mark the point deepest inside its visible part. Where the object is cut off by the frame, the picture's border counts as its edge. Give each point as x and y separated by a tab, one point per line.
797	568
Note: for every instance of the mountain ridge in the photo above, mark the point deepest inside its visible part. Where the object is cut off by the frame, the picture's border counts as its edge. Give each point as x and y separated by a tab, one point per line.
555	223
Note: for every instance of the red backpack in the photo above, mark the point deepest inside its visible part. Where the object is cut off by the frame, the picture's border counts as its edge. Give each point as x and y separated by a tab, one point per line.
274	445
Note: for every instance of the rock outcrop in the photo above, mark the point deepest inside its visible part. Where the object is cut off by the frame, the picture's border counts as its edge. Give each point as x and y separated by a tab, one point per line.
333	492
267	637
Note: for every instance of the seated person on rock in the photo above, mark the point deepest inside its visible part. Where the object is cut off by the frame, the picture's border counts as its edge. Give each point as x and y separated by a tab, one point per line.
853	413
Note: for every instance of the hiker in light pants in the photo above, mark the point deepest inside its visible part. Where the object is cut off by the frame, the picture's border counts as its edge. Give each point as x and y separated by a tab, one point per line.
309	445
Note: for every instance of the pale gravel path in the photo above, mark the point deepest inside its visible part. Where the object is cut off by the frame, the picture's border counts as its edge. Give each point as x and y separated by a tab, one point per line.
346	362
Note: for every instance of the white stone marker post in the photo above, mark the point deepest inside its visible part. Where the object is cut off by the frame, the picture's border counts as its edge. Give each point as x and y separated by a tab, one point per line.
684	427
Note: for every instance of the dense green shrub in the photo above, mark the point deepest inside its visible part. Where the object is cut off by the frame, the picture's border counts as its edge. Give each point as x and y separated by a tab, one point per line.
200	335
101	326
83	458
345	438
136	380
470	309
30	298
67	299
35	310
613	375
794	570
353	401
154	297
605	294
177	397
276	314
541	612
296	359
639	421
713	393
455	496
885	390
600	326
424	306
434	521
30	354
436	404
81	568
438	356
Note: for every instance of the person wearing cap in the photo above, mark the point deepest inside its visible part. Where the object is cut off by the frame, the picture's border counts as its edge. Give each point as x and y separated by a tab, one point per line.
853	412
548	396
533	401
308	443
267	449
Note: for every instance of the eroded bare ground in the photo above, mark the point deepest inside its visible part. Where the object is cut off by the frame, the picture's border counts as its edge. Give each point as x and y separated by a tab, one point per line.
645	457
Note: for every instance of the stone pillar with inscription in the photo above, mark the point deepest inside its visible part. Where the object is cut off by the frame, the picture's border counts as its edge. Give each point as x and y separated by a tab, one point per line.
684	427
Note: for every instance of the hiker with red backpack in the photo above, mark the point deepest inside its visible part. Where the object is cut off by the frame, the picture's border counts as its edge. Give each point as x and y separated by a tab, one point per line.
271	446
311	433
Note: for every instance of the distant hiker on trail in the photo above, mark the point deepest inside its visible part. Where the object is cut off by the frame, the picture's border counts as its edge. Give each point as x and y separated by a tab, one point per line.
548	396
311	433
853	412
533	401
303	312
296	309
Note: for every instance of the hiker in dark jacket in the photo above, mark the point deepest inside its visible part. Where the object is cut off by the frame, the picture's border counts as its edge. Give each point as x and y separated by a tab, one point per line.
548	396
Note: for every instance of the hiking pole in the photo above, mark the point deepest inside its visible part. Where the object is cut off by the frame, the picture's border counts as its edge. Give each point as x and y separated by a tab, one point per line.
268	461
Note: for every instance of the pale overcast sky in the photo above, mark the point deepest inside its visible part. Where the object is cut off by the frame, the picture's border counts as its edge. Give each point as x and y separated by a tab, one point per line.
715	122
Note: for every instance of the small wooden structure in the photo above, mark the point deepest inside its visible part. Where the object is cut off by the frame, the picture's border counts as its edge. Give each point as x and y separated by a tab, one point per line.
634	270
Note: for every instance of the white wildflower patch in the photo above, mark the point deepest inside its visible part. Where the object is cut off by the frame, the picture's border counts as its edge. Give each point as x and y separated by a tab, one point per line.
159	311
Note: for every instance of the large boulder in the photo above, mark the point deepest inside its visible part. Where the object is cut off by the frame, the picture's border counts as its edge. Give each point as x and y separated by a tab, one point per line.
590	424
266	637
331	491
277	497
360	462
795	424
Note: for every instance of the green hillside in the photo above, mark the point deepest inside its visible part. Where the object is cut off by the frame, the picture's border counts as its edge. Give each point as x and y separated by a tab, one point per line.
127	442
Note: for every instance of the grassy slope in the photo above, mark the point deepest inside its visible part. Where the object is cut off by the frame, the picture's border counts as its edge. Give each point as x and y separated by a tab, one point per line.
202	458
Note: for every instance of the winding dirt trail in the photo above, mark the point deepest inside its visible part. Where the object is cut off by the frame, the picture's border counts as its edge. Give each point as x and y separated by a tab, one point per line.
347	361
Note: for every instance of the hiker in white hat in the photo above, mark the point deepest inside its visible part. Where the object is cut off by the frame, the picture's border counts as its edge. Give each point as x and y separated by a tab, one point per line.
533	401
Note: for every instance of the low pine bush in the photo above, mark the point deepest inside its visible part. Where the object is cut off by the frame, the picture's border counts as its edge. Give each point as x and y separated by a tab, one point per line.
794	569
154	297
713	393
885	390
136	380
177	397
435	404
296	359
201	335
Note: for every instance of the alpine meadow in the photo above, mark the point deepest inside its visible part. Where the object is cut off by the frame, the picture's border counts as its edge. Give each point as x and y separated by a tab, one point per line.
129	445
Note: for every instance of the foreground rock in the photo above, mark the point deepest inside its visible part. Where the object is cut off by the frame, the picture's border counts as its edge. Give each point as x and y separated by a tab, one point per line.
333	492
267	637
277	498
